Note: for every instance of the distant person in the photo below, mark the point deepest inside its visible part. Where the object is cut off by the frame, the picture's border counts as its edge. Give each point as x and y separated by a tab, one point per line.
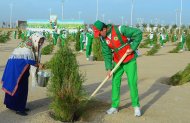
151	36
183	40
175	38
167	37
15	34
89	39
16	73
82	39
115	38
55	36
23	35
62	37
161	39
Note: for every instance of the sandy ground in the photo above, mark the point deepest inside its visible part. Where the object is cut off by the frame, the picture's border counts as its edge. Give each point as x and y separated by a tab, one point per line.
160	103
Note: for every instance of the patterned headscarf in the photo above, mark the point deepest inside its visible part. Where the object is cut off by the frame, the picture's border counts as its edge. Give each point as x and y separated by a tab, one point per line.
28	44
36	38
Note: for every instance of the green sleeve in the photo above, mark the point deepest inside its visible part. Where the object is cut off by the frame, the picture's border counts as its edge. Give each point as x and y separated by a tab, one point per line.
134	34
107	54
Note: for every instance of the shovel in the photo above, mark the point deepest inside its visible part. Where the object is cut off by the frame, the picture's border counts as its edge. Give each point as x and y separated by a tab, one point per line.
108	76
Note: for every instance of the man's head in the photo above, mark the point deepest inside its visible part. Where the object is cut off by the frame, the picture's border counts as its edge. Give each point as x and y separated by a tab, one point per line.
100	29
81	30
90	30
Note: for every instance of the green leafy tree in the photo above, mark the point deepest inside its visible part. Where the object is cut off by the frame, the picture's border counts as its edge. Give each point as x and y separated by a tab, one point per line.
97	52
65	87
144	27
47	49
77	45
153	50
180	77
137	25
166	27
159	27
174	26
176	49
188	42
19	33
5	37
152	26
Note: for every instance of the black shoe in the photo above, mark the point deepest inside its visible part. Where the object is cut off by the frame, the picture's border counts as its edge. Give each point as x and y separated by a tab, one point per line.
22	113
26	109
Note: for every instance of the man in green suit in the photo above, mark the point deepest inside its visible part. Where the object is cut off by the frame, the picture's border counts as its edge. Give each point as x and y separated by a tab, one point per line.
120	40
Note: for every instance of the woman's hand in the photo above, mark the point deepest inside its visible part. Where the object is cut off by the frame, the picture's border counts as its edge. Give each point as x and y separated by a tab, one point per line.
40	66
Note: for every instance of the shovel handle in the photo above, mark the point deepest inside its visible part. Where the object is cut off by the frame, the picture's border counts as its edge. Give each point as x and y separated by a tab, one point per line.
108	76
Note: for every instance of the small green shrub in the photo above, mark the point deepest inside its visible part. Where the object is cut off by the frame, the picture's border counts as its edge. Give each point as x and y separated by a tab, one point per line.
65	87
153	50
47	49
188	42
97	50
5	37
176	49
19	33
145	43
48	64
77	45
181	77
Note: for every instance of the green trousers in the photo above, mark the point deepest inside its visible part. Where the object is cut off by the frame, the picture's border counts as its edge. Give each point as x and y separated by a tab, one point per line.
81	45
161	42
15	34
151	42
62	42
54	41
182	44
88	48
130	69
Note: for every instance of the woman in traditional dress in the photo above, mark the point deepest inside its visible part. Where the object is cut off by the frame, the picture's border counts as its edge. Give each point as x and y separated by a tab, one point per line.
16	73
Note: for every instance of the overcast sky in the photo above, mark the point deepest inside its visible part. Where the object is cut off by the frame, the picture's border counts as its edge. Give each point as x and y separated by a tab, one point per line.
161	11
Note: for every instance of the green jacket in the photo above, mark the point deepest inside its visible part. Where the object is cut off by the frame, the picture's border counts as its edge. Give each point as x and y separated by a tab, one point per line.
82	37
133	33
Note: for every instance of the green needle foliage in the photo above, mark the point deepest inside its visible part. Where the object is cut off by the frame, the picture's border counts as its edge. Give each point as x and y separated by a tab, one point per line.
65	88
188	42
97	51
176	49
77	45
153	50
48	64
19	33
180	77
47	49
5	37
145	43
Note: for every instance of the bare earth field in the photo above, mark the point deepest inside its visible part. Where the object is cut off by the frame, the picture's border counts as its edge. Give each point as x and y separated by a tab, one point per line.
160	103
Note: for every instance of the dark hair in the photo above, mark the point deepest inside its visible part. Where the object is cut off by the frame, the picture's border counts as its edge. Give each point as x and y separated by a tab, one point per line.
104	26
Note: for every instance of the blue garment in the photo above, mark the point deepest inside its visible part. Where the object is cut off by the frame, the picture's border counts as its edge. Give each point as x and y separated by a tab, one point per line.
14	70
19	61
15	77
18	101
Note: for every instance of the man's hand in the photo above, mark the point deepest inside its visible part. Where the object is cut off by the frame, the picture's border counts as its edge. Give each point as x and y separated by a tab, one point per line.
129	51
109	73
